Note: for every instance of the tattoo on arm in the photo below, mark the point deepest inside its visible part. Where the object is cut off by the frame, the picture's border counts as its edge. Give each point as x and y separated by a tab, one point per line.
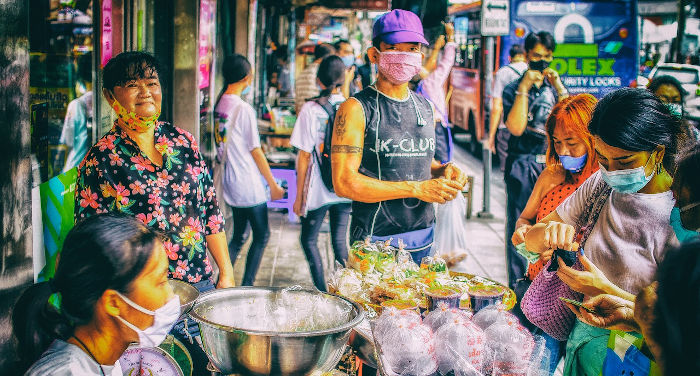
340	126
346	149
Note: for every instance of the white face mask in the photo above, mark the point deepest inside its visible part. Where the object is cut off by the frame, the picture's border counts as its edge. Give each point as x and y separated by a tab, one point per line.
163	320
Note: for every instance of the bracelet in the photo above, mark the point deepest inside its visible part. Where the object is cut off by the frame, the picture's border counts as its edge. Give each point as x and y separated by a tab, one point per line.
521	93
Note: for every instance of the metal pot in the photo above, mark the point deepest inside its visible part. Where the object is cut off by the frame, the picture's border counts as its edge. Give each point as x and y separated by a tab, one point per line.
240	350
187	293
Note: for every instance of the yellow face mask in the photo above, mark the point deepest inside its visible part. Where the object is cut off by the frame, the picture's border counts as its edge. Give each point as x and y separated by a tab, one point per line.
132	121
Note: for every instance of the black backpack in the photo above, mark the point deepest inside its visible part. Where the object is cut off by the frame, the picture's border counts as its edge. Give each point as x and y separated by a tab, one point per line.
324	157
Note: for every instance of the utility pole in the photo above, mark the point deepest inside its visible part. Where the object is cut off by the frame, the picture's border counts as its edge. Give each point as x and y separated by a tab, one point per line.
681	31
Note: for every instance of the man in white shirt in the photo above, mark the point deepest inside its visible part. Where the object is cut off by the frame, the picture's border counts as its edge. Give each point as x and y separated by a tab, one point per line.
498	133
306	86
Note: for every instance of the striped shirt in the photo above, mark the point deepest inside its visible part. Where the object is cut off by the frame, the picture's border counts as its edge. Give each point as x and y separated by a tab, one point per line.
306	85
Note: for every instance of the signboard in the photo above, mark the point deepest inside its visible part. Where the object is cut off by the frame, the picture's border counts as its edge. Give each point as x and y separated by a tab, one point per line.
597	41
495	18
106	31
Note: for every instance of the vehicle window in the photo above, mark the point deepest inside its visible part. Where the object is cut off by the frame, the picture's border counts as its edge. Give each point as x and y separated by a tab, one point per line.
685	76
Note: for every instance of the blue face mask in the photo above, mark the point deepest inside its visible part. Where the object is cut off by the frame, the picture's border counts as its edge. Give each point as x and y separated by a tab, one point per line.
573	164
627	181
684	235
348	60
246	90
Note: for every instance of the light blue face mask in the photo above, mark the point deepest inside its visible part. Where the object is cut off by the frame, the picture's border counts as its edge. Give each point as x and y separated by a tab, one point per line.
573	164
683	234
627	181
348	60
246	90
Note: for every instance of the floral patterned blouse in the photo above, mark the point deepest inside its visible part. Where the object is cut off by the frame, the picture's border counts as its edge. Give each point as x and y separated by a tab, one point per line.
177	198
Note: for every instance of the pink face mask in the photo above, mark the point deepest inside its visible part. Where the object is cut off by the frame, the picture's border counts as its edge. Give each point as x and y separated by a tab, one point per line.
399	67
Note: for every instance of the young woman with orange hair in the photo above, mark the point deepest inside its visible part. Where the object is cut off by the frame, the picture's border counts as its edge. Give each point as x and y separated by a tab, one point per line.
571	159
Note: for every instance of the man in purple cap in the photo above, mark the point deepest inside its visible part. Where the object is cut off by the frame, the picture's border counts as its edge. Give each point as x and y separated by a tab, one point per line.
384	143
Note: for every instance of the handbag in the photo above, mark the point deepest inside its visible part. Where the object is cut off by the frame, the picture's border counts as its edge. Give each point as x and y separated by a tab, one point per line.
541	304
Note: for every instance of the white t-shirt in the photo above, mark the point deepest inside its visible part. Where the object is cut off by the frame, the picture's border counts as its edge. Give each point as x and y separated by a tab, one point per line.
65	359
308	135
505	76
631	236
236	122
75	129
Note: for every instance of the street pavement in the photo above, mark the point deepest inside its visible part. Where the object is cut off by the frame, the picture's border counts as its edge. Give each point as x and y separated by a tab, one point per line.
284	263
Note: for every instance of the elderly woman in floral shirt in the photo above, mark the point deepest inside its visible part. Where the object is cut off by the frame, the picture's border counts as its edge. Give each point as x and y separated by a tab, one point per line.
153	171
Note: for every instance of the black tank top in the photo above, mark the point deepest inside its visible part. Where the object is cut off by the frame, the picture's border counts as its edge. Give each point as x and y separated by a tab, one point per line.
399	146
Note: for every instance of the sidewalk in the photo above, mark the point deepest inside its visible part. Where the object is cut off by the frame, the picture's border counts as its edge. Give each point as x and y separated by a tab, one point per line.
284	263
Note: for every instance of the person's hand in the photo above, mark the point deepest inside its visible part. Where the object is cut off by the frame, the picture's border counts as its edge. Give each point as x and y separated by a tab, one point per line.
298	203
349	74
450	171
225	281
530	78
553	77
440	42
450	31
519	234
546	255
559	236
492	143
276	192
590	281
438	190
609	312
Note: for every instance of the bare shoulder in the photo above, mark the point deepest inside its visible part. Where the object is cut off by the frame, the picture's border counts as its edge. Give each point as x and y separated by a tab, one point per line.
551	177
350	117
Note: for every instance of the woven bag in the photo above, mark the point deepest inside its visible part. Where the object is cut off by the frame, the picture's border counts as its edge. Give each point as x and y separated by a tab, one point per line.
541	304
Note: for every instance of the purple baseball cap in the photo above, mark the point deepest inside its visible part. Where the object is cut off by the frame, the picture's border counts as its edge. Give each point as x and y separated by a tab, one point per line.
399	26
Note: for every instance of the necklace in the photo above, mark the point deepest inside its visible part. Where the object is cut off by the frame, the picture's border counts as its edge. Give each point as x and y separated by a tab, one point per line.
91	355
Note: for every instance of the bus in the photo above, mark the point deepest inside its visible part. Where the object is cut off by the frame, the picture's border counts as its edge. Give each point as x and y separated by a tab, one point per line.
597	50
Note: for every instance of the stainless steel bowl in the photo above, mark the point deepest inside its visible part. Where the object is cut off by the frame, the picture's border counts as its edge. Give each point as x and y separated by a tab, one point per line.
187	293
240	350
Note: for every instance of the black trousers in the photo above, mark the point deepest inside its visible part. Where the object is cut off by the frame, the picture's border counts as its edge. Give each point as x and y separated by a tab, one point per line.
521	174
339	215
256	217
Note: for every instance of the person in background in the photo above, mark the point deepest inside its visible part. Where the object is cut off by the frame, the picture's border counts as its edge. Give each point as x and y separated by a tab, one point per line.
392	184
571	159
110	290
282	78
685	216
77	126
315	200
665	312
306	84
344	50
432	87
498	133
244	164
636	141
365	72
670	91
527	104
154	171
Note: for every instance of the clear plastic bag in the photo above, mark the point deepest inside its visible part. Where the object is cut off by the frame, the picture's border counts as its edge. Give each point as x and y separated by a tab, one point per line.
451	220
444	315
405	344
459	346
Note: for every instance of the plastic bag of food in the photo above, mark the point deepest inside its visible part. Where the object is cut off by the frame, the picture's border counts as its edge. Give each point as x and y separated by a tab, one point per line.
406	347
348	283
443	315
434	264
367	257
459	346
508	348
487	316
540	358
391	318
